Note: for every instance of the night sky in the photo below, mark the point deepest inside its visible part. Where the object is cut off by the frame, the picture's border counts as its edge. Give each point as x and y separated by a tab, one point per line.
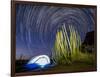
36	26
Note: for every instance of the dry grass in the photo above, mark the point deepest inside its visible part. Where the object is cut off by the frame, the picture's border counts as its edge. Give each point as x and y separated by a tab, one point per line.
67	47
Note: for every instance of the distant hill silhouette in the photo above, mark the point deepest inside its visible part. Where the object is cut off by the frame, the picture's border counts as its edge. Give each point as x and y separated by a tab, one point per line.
88	44
89	39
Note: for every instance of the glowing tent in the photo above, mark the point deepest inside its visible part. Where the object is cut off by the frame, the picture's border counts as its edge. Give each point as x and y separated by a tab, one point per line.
40	61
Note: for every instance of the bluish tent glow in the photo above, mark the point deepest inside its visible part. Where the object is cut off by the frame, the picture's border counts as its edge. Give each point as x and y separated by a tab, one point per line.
40	61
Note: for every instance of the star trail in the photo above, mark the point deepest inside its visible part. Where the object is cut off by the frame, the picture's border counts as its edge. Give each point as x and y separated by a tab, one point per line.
36	26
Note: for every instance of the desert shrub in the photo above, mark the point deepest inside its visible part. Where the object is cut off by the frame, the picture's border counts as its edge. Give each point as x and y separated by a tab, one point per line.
67	45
